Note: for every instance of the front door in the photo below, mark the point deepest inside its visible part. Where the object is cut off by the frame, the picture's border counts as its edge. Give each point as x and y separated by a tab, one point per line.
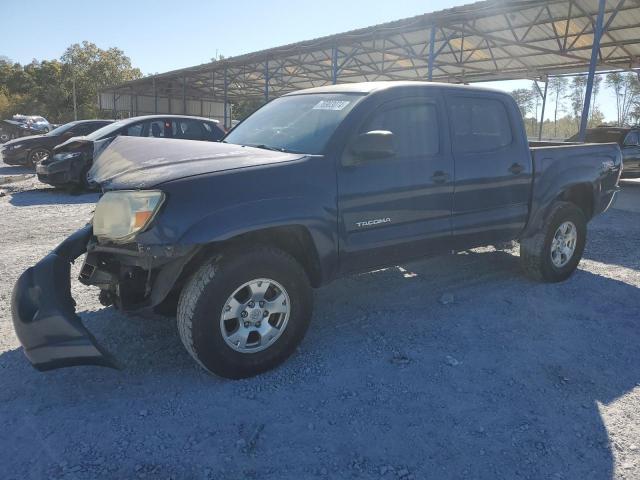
396	208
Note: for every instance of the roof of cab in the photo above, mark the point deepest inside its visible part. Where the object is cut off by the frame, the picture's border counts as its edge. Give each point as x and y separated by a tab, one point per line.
164	116
370	87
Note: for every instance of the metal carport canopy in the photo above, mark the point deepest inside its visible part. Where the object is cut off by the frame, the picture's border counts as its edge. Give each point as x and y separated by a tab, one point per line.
488	40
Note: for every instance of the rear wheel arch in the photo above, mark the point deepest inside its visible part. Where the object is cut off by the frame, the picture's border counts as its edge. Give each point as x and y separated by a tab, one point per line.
581	195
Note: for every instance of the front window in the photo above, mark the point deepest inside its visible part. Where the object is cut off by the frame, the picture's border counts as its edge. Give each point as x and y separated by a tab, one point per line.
297	123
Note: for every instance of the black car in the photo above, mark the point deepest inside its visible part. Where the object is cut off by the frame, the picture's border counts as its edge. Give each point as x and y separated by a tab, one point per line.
629	140
35	148
72	159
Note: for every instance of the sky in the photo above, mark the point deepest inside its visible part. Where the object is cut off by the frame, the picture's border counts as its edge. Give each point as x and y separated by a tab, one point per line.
163	35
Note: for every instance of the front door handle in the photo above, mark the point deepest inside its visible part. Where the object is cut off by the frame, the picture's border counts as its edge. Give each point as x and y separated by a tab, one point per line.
440	177
516	169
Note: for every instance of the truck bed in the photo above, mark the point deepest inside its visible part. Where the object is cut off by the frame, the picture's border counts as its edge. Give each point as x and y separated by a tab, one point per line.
564	165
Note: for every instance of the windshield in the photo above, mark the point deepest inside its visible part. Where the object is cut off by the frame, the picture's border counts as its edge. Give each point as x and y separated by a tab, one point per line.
61	129
106	131
297	123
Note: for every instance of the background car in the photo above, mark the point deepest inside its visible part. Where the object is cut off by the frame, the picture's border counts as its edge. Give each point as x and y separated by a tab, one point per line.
35	148
72	159
34	123
629	140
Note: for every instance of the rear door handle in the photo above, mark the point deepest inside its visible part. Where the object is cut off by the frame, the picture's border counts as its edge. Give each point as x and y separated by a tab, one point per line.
440	177
516	169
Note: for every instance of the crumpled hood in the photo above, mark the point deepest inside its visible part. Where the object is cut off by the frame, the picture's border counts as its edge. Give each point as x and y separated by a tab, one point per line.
135	162
71	144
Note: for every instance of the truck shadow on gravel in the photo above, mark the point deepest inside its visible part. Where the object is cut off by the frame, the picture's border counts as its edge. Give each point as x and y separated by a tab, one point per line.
50	196
608	239
455	367
14	170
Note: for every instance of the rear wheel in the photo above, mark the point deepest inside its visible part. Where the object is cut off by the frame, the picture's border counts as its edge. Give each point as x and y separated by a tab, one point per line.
37	155
245	313
553	254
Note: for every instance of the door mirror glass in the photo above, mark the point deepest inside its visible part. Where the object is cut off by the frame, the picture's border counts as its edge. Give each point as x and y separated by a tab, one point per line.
373	144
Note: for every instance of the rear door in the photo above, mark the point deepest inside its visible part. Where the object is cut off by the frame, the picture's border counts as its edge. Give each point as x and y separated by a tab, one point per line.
493	169
398	207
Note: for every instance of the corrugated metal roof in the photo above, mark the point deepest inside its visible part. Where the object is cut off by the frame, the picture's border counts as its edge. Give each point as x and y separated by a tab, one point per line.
488	40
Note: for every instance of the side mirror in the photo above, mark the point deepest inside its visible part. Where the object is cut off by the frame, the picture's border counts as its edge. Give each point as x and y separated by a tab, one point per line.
373	144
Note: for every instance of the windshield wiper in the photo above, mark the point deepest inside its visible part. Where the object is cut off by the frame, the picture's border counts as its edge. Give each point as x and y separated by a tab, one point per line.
266	147
269	147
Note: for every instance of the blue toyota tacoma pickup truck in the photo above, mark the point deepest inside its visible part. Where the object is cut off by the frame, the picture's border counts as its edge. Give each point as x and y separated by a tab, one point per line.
315	185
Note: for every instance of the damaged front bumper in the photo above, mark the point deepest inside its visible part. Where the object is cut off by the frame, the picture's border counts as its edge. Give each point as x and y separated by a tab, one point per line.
135	278
62	172
44	316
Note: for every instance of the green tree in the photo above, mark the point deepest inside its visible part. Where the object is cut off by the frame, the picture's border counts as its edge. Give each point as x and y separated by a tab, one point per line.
577	87
557	87
626	89
46	87
524	99
92	69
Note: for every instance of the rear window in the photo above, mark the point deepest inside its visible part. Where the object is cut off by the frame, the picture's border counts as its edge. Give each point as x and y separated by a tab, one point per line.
479	124
213	132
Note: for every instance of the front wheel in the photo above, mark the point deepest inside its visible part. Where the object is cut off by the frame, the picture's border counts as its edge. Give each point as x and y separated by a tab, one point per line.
244	313
38	155
553	254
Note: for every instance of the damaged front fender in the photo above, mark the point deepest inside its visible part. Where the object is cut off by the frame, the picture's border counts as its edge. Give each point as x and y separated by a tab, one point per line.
44	315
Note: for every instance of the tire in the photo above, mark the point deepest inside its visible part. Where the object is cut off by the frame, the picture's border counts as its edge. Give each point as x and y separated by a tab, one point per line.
536	251
210	290
37	155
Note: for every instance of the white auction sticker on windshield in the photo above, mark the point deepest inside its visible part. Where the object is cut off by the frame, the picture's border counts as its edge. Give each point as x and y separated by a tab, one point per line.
331	104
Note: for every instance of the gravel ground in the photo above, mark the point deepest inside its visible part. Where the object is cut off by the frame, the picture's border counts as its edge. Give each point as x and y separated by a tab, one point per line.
451	368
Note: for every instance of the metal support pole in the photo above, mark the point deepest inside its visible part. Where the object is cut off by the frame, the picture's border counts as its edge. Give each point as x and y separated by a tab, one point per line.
266	81
155	97
114	106
75	102
432	41
334	65
544	103
226	105
184	95
595	48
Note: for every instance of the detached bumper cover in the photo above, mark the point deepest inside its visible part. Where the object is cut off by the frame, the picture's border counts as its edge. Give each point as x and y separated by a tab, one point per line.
44	316
57	172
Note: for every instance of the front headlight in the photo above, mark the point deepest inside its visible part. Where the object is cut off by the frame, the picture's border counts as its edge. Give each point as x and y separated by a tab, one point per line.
15	146
67	156
121	214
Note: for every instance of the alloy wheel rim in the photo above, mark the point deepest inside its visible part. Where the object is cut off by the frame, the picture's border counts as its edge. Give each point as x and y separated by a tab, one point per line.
39	155
563	245
255	315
